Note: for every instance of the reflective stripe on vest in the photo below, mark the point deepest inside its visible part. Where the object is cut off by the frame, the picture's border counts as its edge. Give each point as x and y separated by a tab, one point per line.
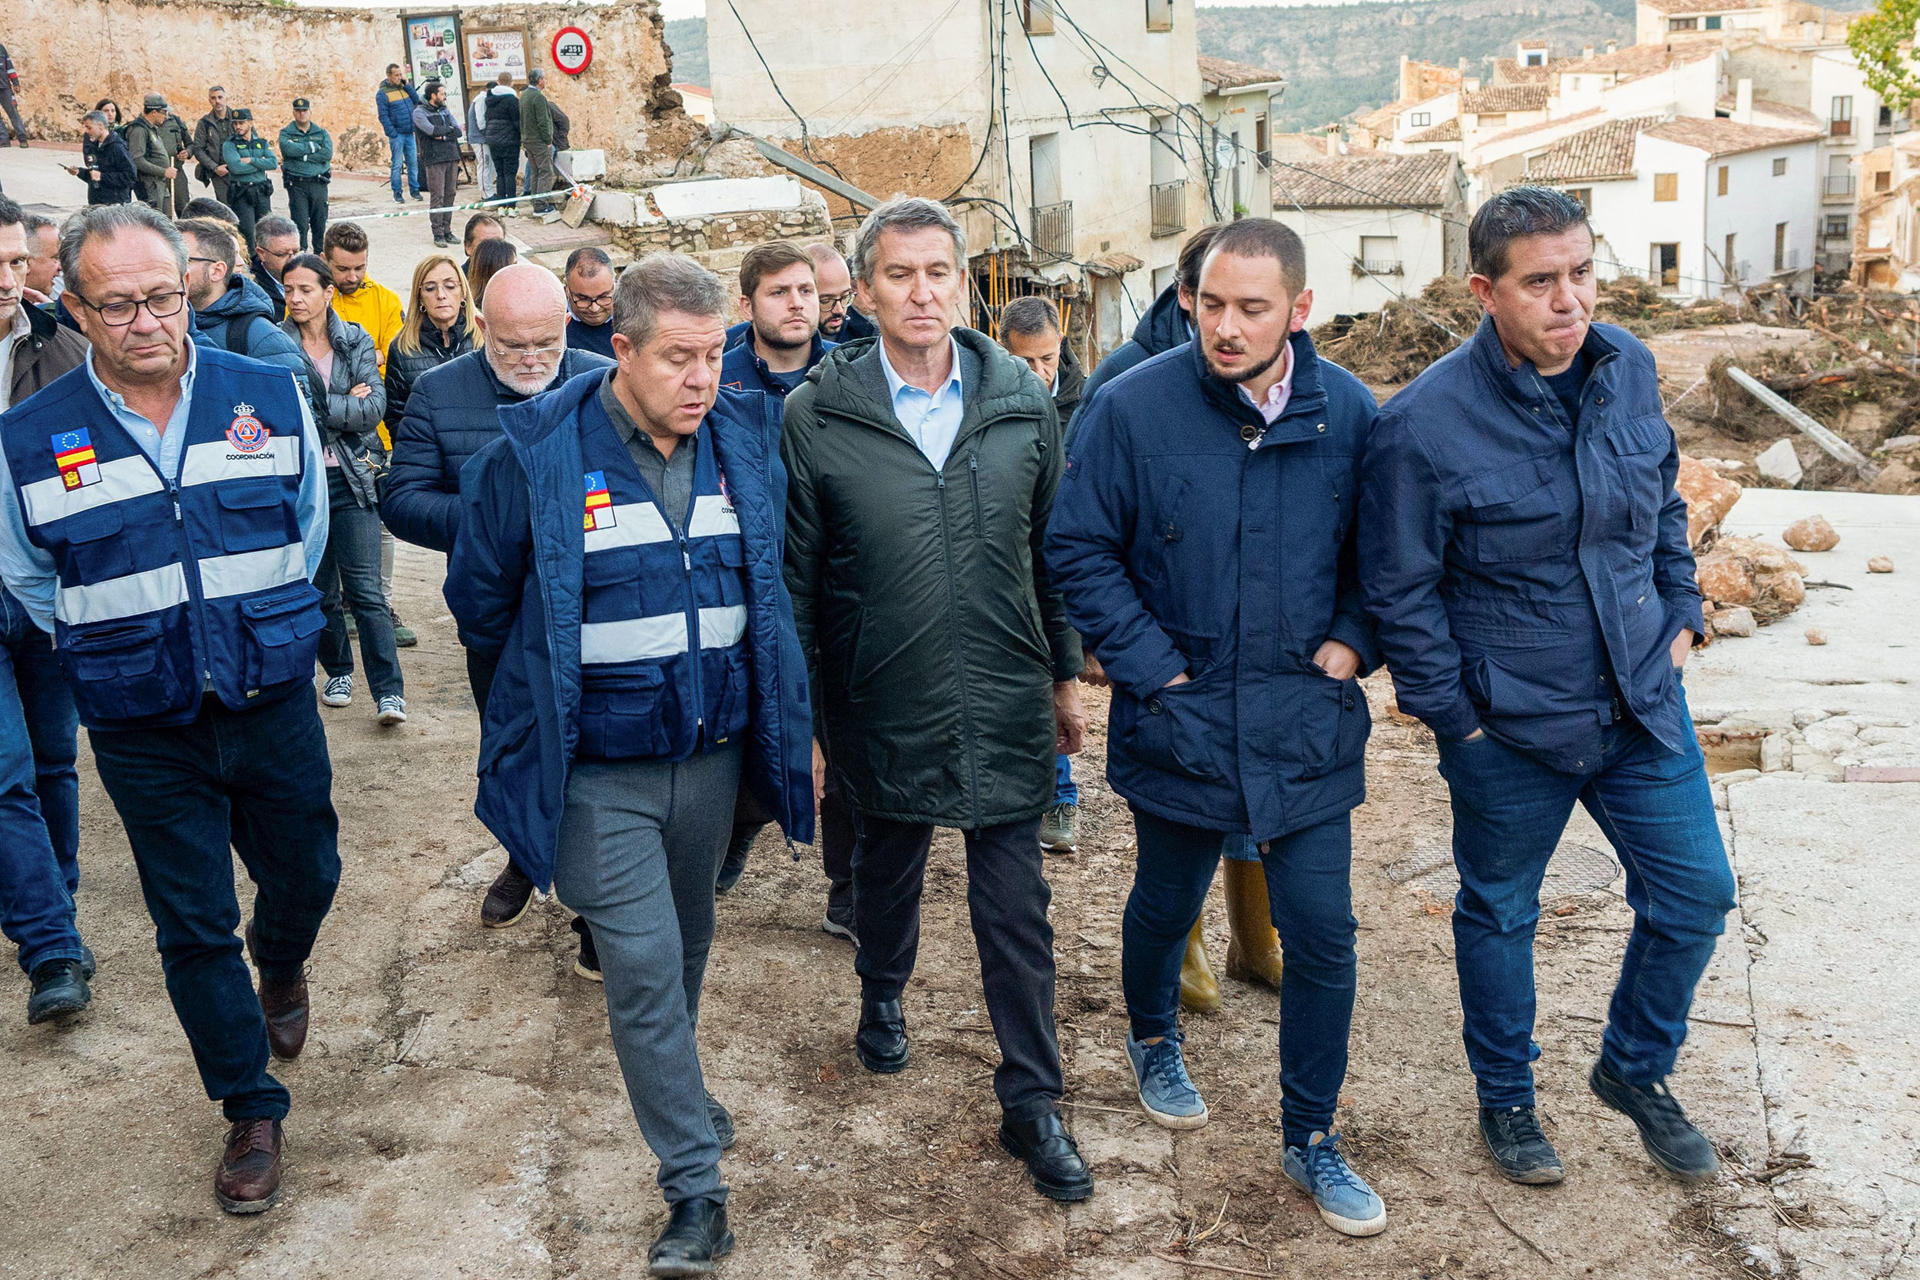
661	636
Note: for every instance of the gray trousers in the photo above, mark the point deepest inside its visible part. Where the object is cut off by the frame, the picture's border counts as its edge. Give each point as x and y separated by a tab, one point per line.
540	166
640	846
13	114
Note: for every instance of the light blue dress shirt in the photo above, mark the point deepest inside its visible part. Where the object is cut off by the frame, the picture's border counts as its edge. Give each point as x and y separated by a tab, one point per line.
29	572
932	420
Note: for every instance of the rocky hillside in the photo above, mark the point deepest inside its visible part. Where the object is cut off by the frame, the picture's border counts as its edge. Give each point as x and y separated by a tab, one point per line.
687	37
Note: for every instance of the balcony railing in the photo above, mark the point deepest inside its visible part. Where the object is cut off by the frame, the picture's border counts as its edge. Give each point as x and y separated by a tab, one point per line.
1053	231
1840	128
1169	208
1363	267
1840	185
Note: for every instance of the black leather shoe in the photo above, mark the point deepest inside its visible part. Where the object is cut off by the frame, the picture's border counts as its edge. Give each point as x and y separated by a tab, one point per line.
882	1040
59	989
1518	1147
1052	1157
722	1122
696	1237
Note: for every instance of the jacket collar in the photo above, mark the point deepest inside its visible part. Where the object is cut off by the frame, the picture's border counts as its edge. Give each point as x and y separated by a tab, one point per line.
1524	385
1309	395
1004	385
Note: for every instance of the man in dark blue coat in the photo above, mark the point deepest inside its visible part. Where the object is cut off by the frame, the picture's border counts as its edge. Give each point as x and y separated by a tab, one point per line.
1203	541
648	663
1525	553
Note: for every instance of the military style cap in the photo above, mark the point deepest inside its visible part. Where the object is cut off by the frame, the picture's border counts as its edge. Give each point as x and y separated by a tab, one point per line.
154	102
242	113
301	104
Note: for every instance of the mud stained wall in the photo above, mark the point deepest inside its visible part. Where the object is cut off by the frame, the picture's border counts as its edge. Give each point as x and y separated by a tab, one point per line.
929	161
71	53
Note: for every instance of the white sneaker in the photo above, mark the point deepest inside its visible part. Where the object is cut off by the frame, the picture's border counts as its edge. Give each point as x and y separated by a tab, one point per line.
393	710
338	691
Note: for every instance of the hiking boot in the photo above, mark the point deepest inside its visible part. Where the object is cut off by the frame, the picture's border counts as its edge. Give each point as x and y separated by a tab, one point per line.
1167	1094
59	990
1345	1201
722	1123
285	1005
587	965
1669	1137
337	692
1051	1155
1518	1147
403	637
695	1238
1059	829
507	898
248	1180
392	711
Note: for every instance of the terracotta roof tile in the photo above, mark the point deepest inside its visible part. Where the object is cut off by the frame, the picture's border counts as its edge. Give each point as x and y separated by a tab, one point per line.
1605	151
1381	119
1725	138
1371	181
1509	71
1776	115
1220	74
1445	131
1506	97
1703	6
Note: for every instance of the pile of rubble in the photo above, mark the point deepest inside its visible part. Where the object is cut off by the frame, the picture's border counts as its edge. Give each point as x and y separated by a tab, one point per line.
1747	583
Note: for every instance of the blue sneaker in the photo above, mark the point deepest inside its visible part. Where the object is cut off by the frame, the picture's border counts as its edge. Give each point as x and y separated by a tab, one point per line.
1165	1091
1342	1196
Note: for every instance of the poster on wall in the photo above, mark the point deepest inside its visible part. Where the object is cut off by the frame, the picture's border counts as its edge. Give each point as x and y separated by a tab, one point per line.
433	50
491	52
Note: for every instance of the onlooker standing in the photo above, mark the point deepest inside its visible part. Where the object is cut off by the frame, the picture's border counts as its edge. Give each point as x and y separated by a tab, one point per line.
923	466
341	364
210	140
147	142
437	136
249	160
589	278
306	156
394	101
536	136
105	163
439	326
275	241
489	260
10	85
503	137
230	311
453	411
196	685
116	118
43	257
481	226
477	140
39	787
562	147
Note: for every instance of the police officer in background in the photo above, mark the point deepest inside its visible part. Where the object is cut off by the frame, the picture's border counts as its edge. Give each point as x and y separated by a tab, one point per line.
162	509
306	159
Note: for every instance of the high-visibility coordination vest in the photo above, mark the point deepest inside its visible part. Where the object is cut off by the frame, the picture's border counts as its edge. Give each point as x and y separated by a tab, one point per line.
171	587
663	659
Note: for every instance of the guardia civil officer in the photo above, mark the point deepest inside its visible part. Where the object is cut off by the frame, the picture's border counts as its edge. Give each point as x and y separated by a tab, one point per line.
619	553
162	509
1525	552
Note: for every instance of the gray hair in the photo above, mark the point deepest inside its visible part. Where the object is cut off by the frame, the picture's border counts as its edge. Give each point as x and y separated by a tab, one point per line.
272	227
1030	316
104	221
96	117
536	76
664	282
1516	212
904	213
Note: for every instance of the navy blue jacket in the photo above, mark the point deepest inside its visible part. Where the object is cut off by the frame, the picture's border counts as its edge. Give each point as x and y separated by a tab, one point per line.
742	369
1180	549
245	303
596	338
1164	327
515	584
453	411
1525	569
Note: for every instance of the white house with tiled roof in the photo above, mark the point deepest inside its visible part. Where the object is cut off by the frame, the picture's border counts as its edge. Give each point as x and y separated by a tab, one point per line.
1376	225
1237	104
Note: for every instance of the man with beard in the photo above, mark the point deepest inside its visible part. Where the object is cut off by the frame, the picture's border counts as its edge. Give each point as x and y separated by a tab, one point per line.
1203	542
777	292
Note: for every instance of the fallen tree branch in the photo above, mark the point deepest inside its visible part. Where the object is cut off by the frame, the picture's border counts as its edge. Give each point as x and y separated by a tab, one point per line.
1516	1232
1177	1260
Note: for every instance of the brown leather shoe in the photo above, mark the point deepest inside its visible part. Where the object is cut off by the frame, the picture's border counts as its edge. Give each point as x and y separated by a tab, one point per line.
249	1177
285	1005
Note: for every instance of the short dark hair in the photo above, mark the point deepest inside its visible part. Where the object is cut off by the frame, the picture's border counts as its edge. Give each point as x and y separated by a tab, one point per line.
1515	212
764	260
393	66
310	262
594	260
213	238
12	215
1194	253
476	221
208	207
1265	238
1030	316
35	224
344	236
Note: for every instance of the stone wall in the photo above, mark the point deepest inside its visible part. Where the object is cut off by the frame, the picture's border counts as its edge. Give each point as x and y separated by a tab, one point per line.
71	53
718	242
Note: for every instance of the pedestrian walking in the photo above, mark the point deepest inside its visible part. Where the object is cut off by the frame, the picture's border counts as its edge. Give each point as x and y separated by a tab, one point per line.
9	87
230	311
250	160
189	659
306	159
937	455
503	136
839	321
652	690
589	278
1525	552
394	101
210	136
479	227
782	305
148	142
39	786
105	164
43	259
351	398
536	137
437	136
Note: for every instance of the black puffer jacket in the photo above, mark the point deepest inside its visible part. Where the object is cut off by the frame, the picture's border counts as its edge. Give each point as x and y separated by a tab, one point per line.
405	368
452	412
347	422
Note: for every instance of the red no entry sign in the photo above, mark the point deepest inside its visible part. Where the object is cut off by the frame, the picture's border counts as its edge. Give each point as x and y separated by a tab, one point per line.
572	50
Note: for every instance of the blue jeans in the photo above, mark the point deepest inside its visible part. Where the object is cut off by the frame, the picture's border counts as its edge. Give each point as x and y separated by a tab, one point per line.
351	568
1308	874
257	782
404	154
1065	790
39	794
1655	807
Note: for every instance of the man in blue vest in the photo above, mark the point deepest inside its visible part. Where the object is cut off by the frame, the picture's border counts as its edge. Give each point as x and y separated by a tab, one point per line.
162	509
648	663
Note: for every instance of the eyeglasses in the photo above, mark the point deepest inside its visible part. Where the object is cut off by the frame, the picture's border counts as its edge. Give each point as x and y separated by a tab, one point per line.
524	353
207	261
121	314
837	301
582	302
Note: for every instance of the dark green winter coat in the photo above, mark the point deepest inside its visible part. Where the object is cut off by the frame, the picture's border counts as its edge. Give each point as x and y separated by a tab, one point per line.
932	635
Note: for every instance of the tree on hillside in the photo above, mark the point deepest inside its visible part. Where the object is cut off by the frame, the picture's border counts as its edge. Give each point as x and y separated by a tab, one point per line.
1882	41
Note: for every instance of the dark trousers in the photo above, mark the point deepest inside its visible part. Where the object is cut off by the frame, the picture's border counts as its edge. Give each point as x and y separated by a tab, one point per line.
39	794
351	569
836	827
13	113
250	201
221	188
258	782
1007	898
1308	884
1656	809
442	182
307	206
506	168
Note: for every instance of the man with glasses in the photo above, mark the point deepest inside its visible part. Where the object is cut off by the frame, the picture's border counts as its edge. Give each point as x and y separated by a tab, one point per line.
275	241
162	511
839	322
230	311
590	301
